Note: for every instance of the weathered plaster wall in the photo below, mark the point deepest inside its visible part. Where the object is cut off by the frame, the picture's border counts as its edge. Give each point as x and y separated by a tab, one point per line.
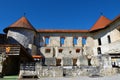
54	41
47	54
66	52
112	31
68	41
23	36
68	48
115	35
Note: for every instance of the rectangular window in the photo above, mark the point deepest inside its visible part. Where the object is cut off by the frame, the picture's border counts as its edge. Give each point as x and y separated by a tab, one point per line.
77	50
62	39
47	50
83	40
109	40
60	50
46	40
99	41
99	50
74	62
58	62
75	41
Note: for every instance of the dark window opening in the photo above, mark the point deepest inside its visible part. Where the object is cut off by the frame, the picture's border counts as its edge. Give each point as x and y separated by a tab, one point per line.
62	39
46	40
54	51
99	50
89	62
77	50
60	50
75	41
47	50
58	62
70	51
99	41
109	40
74	62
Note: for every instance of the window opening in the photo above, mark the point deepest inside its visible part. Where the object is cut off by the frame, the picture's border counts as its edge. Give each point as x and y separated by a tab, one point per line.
109	40
75	40
99	50
89	62
77	50
74	62
62	39
58	62
47	50
60	50
99	41
46	40
84	40
70	52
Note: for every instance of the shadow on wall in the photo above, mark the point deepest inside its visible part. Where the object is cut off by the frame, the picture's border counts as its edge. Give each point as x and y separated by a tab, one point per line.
43	57
12	41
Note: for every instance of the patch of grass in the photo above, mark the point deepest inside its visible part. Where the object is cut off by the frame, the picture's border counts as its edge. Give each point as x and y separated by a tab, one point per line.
13	77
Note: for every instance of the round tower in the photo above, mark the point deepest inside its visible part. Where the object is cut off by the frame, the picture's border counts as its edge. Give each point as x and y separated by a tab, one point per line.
21	32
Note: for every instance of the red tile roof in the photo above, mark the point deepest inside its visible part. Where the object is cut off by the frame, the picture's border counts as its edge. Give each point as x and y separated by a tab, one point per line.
21	23
62	31
101	23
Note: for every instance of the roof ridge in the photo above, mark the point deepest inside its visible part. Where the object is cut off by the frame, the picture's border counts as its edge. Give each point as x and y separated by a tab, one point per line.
101	22
22	22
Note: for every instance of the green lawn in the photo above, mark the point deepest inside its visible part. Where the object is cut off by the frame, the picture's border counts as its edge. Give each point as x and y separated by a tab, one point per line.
13	77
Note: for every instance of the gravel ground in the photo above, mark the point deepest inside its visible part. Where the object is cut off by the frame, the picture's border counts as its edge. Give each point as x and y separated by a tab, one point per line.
115	77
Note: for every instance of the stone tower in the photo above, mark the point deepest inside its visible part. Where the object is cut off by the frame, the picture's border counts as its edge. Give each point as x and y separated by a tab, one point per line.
21	32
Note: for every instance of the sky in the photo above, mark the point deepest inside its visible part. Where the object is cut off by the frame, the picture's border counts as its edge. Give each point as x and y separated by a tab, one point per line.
58	14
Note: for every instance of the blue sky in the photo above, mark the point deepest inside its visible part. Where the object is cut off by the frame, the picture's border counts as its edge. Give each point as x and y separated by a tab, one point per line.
57	14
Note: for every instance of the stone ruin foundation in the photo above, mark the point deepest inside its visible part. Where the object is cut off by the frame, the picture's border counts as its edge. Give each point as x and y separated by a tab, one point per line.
100	68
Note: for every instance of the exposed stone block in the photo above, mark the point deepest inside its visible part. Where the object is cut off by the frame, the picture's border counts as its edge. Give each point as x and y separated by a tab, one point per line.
50	61
67	61
50	71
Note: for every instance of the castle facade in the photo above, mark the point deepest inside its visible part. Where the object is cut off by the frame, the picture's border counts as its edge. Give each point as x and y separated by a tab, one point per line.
65	50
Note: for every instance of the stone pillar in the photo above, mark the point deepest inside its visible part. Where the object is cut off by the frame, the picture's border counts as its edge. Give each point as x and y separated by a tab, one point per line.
56	51
68	42
54	41
79	41
67	61
61	62
78	62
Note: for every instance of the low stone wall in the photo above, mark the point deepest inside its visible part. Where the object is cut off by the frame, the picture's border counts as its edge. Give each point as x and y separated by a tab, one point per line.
48	71
58	71
71	71
76	71
108	71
